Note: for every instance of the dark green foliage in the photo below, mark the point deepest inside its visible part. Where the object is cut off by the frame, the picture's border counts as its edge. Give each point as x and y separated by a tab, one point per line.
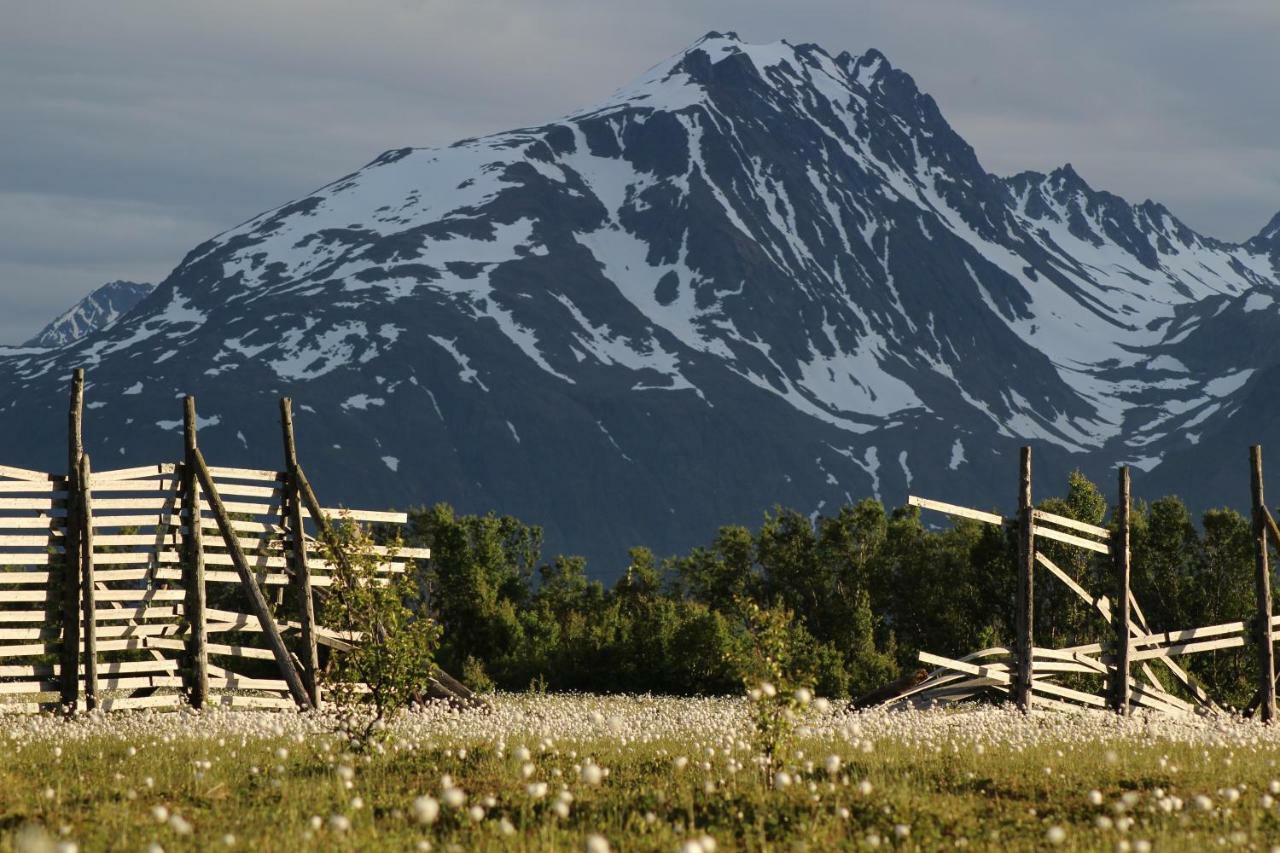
864	591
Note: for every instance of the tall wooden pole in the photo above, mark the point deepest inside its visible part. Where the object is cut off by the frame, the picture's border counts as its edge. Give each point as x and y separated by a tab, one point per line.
1025	603
70	657
90	600
1123	567
301	570
193	569
1262	578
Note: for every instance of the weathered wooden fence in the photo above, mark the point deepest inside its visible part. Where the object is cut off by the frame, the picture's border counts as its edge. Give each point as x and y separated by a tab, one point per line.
1032	675
161	585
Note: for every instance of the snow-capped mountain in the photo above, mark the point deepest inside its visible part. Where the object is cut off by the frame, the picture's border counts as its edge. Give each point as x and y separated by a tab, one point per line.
96	311
759	274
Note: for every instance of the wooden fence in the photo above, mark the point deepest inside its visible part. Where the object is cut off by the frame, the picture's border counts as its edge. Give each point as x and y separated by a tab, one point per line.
160	585
1032	676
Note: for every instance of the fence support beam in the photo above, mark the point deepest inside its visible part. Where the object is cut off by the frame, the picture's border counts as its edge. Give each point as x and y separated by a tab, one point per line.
1025	599
1121	552
301	570
90	599
195	604
284	660
1262	578
70	657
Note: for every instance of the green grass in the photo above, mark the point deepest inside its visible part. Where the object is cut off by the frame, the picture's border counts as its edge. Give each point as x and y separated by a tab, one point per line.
982	778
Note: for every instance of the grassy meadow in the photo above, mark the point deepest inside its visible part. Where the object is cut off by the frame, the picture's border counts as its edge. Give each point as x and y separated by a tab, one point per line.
579	772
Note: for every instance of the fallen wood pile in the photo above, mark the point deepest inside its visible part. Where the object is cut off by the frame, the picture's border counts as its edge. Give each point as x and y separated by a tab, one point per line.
1034	676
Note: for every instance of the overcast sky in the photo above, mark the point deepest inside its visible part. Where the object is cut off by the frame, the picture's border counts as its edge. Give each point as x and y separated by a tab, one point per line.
132	130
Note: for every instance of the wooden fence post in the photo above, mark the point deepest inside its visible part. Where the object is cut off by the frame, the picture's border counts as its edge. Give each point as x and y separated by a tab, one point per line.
1121	552
70	658
90	599
1262	577
193	580
1025	602
284	660
301	570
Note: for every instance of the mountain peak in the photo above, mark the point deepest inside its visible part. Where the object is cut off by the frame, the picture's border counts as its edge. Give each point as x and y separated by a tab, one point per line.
96	311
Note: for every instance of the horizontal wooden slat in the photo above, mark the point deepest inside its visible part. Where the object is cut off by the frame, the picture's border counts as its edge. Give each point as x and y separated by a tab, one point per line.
138	681
145	522
36	540
141	594
115	614
28	634
1071	523
339	513
240	682
1167	637
1080	542
26	474
114	540
22	579
13	596
233	700
1186	648
18	616
247	491
166	469
23	559
953	509
26	650
112	487
11	688
138	643
126	703
240	651
53	491
243	474
37	522
28	503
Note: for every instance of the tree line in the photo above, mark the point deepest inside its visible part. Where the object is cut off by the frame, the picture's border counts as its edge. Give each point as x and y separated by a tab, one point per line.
860	592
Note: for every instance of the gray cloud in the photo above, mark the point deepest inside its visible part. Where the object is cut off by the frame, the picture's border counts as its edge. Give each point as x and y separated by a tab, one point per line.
133	129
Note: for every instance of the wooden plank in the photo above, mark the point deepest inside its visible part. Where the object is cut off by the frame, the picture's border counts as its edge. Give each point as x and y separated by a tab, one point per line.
141	595
241	651
54	525
143	487
54	491
241	490
1071	523
1188	648
138	504
221	472
164	469
19	616
259	604
167	538
46	504
127	703
11	688
1079	542
30	650
24	540
953	509
161	520
341	513
26	473
259	702
1166	637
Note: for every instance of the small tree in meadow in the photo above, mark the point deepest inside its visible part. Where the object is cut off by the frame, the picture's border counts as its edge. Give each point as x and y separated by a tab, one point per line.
776	682
391	654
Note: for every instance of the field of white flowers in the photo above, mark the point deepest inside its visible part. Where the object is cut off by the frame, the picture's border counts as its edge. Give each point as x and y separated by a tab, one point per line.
637	773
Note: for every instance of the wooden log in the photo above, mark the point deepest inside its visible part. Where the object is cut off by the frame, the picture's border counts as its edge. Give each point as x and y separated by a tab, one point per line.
193	569
1262	588
1188	648
70	657
308	651
1121	683
1025	599
90	626
258	603
1272	527
1071	524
